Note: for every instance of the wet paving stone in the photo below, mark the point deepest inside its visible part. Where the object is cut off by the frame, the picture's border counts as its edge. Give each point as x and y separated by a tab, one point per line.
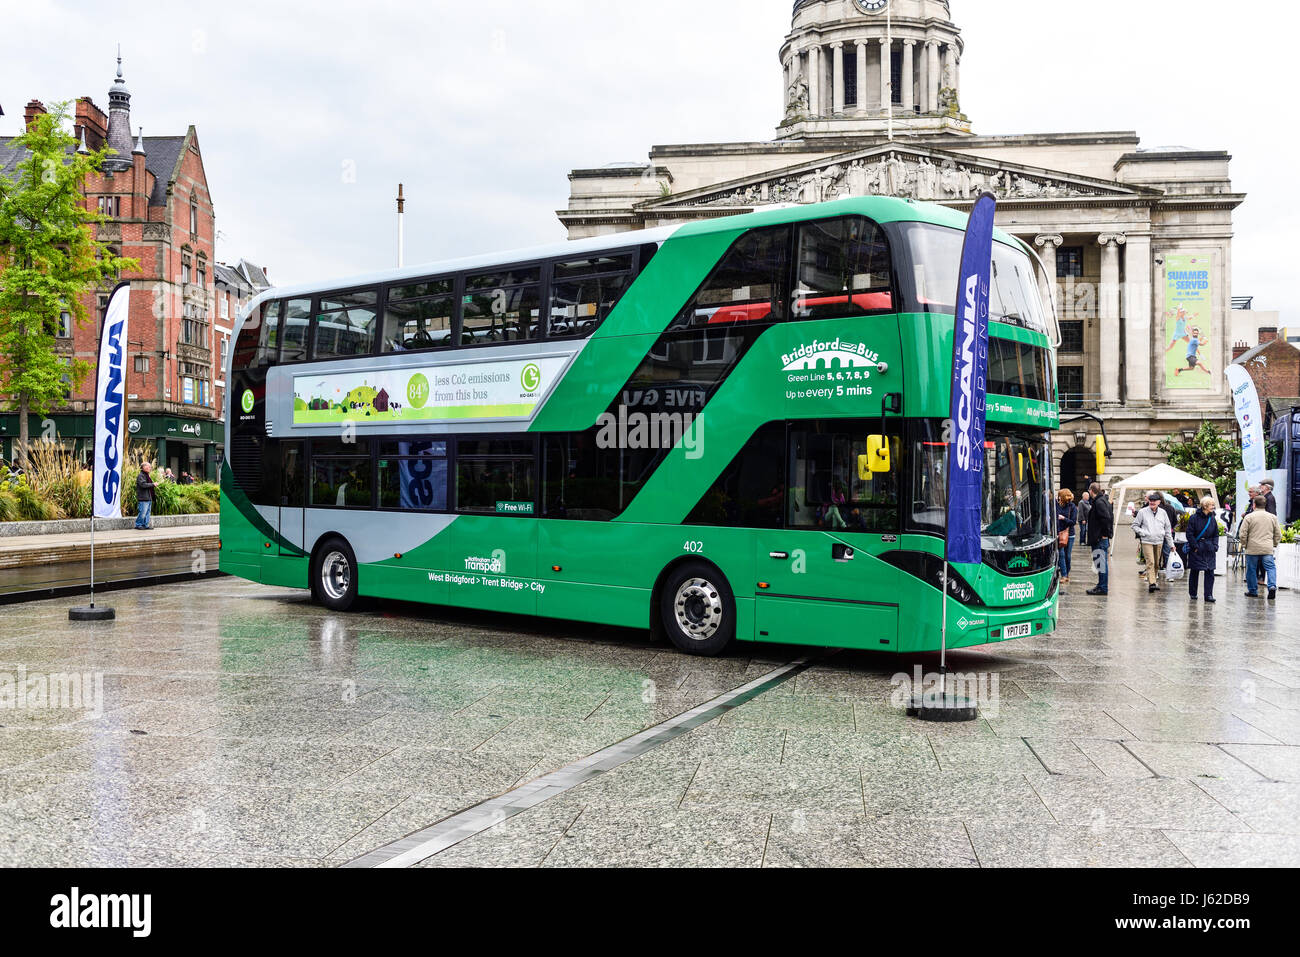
268	732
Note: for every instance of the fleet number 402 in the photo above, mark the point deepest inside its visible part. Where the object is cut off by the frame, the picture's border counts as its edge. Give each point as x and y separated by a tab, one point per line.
694	548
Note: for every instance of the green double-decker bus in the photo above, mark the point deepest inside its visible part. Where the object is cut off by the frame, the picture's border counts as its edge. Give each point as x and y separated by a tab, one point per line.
728	430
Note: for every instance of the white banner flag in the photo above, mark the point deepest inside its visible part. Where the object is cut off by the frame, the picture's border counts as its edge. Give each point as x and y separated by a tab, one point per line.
110	405
1245	401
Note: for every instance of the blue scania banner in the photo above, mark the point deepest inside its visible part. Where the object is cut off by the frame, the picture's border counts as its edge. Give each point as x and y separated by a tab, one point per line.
970	365
110	406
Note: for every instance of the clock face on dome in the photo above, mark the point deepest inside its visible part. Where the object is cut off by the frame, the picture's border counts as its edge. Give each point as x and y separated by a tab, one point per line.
871	6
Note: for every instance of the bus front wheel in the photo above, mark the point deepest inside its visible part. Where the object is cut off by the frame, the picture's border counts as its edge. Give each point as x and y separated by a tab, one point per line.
334	575
698	609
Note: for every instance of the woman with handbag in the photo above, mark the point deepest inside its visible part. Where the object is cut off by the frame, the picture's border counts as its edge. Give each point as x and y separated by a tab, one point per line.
1067	518
1202	548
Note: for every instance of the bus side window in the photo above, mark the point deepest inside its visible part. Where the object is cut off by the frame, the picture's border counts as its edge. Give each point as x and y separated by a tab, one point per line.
345	325
296	322
844	270
583	293
826	489
268	343
747	286
502	306
492	474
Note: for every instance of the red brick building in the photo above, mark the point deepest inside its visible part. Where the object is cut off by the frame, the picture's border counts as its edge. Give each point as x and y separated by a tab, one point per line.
154	194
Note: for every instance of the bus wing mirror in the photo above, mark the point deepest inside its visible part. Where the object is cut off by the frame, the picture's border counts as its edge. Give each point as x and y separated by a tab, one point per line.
877	458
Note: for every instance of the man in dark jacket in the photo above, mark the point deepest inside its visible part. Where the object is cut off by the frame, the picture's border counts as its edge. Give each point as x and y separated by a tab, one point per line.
144	486
1270	503
1101	528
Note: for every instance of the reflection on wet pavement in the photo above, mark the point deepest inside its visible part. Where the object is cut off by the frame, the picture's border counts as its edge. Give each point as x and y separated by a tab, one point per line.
243	725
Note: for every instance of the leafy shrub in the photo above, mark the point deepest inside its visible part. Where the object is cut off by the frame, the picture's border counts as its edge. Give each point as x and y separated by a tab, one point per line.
32	505
57	486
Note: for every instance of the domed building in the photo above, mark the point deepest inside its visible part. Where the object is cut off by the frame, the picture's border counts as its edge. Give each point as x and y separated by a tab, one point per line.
1140	239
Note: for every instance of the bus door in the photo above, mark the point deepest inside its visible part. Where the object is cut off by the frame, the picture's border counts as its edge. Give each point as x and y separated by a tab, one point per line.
293	465
822	579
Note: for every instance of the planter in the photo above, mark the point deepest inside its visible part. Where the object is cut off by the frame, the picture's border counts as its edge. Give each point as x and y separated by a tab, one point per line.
1288	566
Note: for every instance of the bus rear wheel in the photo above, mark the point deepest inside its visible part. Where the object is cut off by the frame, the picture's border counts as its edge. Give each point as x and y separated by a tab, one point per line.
698	609
334	575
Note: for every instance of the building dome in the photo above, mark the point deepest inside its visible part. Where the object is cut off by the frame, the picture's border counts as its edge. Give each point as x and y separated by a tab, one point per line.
868	66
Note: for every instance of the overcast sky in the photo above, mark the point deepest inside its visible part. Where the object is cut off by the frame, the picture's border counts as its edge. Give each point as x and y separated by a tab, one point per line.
310	114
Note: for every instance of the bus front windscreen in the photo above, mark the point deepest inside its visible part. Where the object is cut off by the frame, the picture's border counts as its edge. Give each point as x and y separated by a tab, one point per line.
1016	512
931	284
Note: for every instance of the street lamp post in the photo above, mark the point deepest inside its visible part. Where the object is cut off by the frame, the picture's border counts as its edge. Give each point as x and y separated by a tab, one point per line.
401	215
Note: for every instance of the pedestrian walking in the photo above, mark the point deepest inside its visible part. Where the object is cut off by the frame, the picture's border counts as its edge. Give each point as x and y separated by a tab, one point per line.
1067	520
1151	527
1085	509
1202	548
1173	524
1260	534
1101	527
144	486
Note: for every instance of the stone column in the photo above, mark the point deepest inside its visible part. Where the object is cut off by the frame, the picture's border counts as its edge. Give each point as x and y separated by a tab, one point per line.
861	46
886	74
837	77
815	81
1108	306
909	70
936	76
922	76
1048	245
1138	342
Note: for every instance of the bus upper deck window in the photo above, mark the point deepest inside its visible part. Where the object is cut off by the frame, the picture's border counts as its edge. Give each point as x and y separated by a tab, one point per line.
296	321
346	324
502	306
844	270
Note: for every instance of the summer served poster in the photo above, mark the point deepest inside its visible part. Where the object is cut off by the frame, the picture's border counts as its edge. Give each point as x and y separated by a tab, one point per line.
1189	311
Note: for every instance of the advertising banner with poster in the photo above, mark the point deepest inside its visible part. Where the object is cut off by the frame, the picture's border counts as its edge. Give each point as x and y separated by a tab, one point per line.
1189	316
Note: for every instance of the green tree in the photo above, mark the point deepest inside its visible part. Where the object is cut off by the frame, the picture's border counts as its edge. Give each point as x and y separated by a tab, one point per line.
1209	455
49	259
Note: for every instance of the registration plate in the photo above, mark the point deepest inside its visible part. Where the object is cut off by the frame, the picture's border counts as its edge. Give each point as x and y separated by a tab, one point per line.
1022	630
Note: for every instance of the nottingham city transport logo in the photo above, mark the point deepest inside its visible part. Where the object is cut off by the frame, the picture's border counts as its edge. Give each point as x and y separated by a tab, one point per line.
831	355
1018	591
246	401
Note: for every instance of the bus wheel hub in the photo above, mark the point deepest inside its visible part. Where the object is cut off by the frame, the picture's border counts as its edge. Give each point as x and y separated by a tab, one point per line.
699	609
336	575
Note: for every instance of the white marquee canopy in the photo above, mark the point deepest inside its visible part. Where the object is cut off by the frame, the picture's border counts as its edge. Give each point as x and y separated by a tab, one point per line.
1162	478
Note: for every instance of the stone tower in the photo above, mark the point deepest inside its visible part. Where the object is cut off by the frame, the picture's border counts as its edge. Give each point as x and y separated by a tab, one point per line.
119	122
853	67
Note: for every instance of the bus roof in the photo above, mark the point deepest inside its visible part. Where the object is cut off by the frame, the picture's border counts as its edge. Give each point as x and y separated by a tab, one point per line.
884	209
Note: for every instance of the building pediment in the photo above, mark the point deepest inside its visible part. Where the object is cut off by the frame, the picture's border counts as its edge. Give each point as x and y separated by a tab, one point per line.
907	171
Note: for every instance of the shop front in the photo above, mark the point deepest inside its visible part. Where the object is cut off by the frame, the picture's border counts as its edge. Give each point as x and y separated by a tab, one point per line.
176	442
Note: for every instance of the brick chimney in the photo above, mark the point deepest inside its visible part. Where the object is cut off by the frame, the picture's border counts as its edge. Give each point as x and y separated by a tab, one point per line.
1239	349
92	120
1267	334
34	109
